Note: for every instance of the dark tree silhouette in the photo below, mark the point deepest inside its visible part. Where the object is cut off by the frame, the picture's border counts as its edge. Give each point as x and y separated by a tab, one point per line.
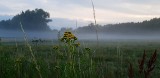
31	19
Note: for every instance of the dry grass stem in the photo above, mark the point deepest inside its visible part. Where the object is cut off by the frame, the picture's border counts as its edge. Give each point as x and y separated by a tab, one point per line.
30	49
95	23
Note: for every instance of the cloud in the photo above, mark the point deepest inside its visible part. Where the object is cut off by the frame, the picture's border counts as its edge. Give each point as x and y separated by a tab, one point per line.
5	17
59	23
107	11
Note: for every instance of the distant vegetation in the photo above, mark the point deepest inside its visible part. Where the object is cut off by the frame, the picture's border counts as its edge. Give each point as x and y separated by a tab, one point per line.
36	20
140	28
31	19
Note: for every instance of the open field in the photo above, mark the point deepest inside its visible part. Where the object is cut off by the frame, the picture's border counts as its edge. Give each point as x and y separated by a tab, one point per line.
110	60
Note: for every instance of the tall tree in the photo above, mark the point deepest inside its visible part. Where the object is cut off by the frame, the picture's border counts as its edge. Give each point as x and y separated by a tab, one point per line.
31	19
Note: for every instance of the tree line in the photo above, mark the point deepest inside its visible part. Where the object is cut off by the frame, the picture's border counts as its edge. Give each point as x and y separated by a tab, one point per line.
146	27
37	20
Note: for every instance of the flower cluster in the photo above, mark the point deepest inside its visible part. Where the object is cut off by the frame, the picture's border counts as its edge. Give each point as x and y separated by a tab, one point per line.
67	37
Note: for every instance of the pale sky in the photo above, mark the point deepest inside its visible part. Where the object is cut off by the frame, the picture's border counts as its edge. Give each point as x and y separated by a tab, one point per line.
107	11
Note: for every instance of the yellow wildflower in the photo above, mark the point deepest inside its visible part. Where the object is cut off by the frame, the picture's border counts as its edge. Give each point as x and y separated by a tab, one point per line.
68	36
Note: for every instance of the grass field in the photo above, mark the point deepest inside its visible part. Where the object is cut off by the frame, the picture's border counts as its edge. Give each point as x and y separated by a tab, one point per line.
110	60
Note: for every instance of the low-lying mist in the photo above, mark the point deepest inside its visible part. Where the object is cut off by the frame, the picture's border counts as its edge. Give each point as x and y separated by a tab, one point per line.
52	35
19	35
102	36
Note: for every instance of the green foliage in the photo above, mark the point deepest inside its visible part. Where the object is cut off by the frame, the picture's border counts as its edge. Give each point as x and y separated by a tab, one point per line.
0	40
53	61
71	61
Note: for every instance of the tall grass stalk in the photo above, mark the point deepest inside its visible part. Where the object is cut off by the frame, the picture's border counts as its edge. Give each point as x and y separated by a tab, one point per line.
95	23
31	51
76	27
120	57
16	44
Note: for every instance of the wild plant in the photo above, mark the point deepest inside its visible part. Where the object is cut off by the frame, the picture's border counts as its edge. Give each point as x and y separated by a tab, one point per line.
150	65
130	71
145	68
70	59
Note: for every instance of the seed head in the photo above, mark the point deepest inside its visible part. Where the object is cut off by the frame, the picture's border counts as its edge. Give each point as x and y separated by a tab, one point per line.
55	47
87	49
77	44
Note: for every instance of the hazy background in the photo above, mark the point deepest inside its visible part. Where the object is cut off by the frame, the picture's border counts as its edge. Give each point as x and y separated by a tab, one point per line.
117	19
107	11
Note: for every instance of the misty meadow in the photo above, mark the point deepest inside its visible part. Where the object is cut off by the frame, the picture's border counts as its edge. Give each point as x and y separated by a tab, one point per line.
92	39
